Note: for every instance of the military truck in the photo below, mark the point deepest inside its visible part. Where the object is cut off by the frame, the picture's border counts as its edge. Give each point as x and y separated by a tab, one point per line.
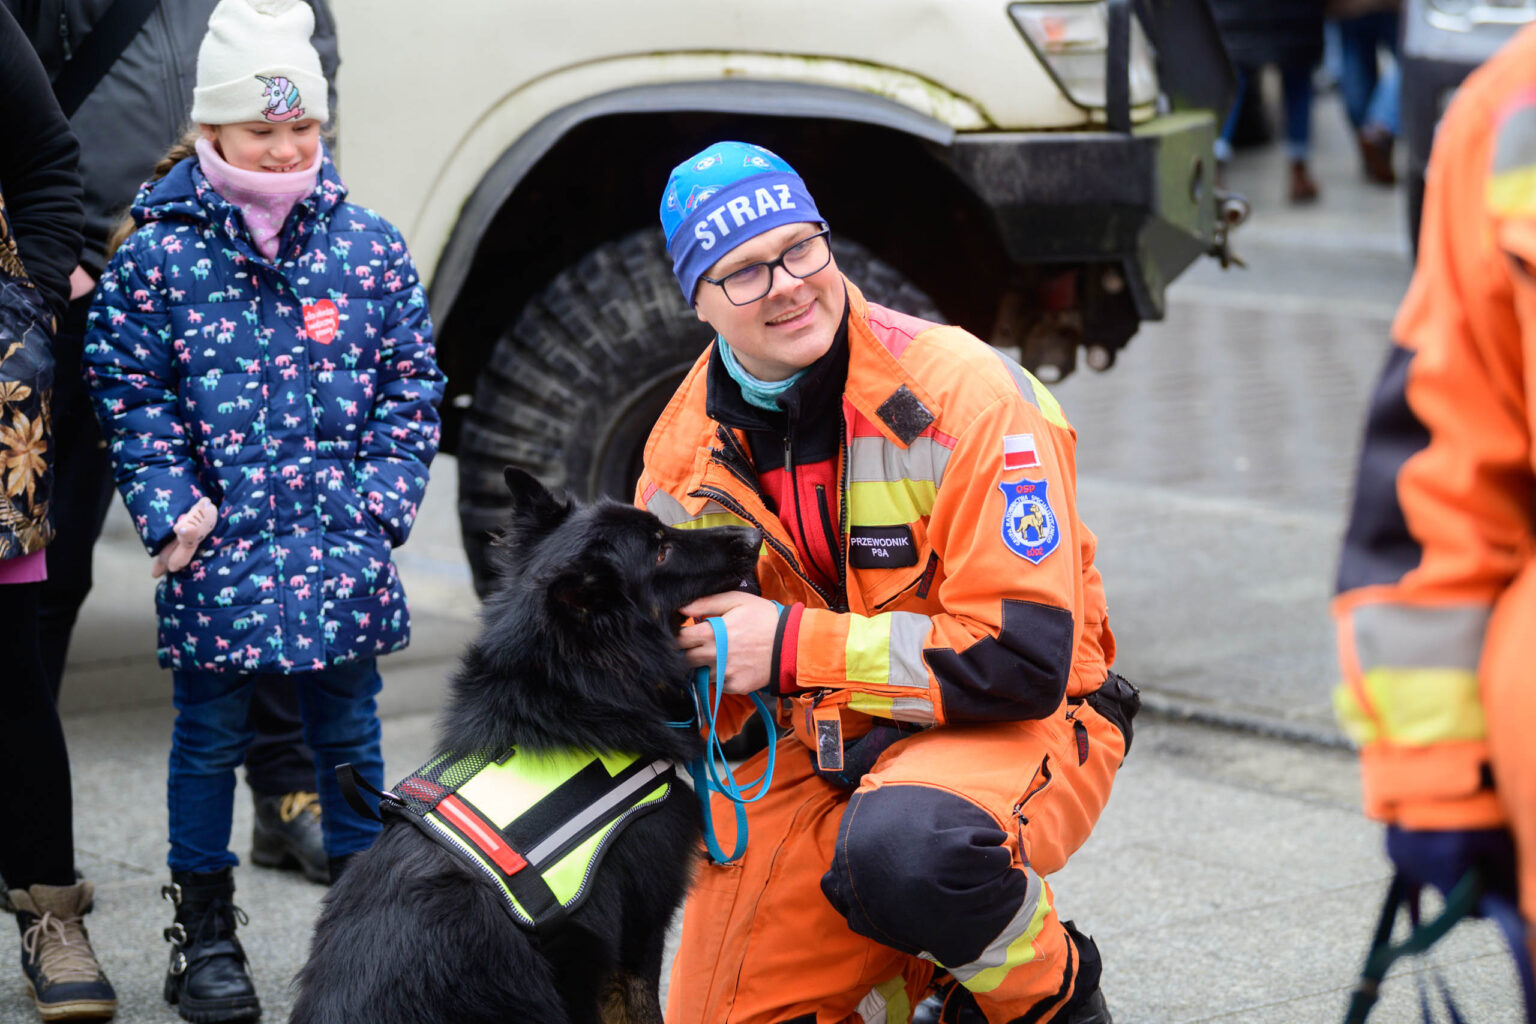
1035	172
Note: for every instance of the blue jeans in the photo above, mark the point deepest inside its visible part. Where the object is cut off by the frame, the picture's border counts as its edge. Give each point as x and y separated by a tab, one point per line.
213	730
1370	97
1296	91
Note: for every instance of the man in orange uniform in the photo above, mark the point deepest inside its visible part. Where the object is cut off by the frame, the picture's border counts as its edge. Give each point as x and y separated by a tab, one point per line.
932	629
1437	586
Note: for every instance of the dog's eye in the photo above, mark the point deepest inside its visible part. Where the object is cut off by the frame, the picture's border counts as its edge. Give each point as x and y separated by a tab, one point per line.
663	553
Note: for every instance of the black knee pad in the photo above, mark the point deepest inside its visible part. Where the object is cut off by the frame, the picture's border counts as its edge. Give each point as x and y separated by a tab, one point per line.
923	871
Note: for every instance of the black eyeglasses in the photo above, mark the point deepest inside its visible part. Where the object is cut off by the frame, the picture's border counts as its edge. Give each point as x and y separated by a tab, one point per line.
806	257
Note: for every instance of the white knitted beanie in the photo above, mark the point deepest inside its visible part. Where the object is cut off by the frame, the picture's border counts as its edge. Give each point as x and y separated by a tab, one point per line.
256	64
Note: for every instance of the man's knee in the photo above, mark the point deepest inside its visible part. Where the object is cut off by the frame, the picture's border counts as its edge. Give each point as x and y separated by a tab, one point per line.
924	871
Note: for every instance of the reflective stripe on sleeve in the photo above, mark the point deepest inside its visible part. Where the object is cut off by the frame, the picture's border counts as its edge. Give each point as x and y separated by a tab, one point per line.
1014	945
887	649
1035	393
1418	671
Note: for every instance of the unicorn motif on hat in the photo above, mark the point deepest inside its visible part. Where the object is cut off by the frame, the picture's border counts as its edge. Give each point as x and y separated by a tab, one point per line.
283	100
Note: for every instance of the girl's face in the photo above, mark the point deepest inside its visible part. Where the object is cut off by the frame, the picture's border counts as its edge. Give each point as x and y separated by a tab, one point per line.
262	146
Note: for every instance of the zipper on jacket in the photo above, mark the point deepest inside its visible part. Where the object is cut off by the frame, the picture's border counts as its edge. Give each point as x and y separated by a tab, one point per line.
1042	779
834	544
733	458
64	34
734	507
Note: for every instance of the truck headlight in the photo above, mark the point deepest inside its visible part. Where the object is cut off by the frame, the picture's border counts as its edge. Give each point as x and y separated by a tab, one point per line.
1072	41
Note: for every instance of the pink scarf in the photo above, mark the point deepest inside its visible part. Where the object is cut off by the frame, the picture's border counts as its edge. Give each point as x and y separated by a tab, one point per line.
263	197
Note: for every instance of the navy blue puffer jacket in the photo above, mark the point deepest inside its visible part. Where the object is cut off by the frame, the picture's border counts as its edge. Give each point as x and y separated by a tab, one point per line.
299	395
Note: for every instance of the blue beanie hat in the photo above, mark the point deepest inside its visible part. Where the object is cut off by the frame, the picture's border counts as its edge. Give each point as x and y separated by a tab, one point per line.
722	196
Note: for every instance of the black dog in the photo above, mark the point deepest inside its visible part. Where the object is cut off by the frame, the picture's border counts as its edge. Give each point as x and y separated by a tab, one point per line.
576	651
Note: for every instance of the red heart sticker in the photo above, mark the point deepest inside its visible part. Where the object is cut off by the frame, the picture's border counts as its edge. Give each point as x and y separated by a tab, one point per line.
321	320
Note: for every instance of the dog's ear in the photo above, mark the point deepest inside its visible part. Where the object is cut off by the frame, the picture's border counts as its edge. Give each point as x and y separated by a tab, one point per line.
534	509
580	592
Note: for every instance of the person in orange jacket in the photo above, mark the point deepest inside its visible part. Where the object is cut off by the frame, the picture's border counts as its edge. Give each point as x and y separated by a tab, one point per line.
932	630
1437	583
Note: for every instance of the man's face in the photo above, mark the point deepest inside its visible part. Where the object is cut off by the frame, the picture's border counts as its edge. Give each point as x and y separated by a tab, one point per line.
789	328
260	146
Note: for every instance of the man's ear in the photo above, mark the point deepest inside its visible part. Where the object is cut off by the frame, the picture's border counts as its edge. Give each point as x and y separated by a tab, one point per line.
534	509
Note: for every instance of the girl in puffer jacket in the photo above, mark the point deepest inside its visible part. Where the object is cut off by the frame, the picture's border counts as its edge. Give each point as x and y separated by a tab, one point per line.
260	356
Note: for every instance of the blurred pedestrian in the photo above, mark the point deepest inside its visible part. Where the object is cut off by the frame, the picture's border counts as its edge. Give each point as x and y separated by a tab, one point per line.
1437	583
1367	33
125	83
39	242
1288	34
269	463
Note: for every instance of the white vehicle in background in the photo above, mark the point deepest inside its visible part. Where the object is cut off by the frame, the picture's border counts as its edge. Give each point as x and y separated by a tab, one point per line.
1035	172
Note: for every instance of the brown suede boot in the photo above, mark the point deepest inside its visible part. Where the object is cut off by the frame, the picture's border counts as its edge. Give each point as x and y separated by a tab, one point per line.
1302	188
65	980
1376	156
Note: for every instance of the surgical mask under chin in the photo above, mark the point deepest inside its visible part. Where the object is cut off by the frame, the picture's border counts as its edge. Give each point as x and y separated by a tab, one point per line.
764	394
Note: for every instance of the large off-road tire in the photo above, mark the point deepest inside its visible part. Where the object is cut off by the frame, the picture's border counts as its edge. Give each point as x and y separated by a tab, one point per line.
573	387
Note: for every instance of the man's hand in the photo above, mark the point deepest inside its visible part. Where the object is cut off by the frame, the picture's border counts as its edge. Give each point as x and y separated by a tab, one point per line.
193	526
751	623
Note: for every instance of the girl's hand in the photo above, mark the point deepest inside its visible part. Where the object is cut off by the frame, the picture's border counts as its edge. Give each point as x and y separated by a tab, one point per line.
191	529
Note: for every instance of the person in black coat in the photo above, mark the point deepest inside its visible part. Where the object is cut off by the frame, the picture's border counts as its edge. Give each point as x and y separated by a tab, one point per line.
40	218
1288	34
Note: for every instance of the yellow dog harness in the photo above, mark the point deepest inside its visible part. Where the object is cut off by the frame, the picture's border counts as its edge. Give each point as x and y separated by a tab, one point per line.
535	825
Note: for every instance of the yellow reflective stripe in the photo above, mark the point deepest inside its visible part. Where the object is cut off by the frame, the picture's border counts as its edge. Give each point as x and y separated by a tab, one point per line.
1014	947
871	704
887	503
886	1003
710	519
1513	193
502	792
1420	706
867	651
1357	725
1047	403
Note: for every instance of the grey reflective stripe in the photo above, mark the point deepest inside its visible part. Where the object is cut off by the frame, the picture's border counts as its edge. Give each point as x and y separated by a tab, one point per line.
596	812
909	632
875	459
908	709
996	954
666	508
1516	146
1020	379
1409	636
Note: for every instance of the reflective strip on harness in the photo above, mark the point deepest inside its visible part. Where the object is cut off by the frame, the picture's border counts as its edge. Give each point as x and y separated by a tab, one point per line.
534	824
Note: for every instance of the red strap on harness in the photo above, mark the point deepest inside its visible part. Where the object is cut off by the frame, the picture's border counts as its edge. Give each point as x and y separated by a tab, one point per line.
483	834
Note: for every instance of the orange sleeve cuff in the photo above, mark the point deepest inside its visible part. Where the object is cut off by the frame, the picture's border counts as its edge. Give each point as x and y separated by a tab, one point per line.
1438	787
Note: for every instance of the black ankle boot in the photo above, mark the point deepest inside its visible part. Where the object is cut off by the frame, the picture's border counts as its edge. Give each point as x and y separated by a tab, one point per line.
208	980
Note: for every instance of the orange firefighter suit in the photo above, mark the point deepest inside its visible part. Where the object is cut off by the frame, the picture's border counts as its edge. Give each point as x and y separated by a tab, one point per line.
966	629
1436	610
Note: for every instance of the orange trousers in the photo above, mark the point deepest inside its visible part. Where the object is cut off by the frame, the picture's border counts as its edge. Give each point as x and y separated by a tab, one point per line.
1508	681
845	900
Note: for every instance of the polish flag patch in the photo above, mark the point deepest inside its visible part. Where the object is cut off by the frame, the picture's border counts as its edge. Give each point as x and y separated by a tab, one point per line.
1019	452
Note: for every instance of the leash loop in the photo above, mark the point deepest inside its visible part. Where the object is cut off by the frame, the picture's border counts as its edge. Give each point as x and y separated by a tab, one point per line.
711	771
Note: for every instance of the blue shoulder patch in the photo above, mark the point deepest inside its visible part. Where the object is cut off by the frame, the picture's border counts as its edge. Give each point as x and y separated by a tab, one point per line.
1029	523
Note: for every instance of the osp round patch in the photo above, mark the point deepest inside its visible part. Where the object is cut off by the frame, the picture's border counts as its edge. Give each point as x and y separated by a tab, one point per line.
1029	523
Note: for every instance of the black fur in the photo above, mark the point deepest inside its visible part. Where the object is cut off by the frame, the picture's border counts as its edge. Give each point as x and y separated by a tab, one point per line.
576	649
